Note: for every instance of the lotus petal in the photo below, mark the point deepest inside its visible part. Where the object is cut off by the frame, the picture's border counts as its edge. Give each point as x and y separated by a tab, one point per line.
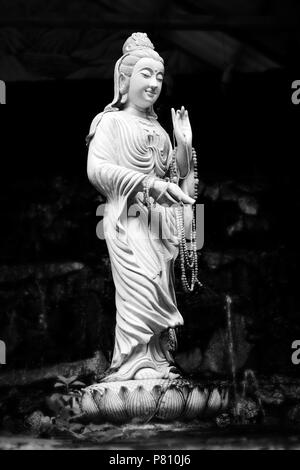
195	403
141	404
170	405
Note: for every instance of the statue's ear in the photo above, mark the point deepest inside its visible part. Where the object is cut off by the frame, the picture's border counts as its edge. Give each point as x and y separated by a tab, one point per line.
123	83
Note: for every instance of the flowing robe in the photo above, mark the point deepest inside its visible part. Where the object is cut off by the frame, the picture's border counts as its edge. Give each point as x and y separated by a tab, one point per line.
124	149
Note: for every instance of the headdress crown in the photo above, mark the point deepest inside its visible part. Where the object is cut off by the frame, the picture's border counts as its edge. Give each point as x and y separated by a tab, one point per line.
137	41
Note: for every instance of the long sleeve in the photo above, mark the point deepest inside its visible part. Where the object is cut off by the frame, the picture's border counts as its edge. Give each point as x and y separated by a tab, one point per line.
104	172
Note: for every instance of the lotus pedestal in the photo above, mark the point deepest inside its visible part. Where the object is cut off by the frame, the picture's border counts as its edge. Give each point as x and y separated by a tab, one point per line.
145	400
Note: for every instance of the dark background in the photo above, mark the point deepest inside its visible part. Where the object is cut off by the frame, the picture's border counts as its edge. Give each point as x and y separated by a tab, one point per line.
57	295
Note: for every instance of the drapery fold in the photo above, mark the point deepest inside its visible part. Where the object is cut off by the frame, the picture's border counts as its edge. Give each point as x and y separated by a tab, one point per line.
142	247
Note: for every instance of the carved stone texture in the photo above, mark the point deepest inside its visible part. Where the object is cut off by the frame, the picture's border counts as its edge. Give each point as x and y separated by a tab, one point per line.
144	400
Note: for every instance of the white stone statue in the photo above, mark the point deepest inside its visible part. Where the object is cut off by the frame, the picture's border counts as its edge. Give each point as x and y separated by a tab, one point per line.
132	163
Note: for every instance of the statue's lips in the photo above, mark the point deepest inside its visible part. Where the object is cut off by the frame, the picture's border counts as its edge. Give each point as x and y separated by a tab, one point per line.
150	93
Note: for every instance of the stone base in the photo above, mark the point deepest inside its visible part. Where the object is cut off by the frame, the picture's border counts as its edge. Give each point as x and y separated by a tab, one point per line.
144	400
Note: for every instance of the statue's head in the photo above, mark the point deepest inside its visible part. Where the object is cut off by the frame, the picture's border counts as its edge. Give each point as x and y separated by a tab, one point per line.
138	75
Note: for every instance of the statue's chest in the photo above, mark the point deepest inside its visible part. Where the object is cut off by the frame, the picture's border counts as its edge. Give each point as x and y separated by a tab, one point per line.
153	139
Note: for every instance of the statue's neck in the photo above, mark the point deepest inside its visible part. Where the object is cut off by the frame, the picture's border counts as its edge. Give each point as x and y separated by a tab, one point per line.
136	111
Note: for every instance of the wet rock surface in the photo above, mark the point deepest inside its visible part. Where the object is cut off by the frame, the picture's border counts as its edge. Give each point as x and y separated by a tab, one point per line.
42	432
156	437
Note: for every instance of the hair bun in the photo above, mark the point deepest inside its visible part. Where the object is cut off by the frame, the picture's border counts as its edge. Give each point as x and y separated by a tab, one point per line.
137	41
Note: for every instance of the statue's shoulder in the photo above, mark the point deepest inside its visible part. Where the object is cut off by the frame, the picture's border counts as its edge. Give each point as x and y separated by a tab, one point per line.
104	119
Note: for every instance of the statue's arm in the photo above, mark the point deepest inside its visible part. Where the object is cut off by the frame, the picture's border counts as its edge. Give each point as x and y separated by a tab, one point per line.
185	169
103	170
184	159
188	183
111	179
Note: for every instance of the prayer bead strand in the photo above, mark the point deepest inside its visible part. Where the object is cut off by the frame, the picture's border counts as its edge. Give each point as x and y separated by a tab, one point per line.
188	257
147	183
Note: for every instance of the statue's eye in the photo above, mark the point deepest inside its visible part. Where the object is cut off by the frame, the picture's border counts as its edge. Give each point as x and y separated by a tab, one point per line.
146	75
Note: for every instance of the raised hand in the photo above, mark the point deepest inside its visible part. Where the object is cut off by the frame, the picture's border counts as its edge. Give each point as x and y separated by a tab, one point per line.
182	126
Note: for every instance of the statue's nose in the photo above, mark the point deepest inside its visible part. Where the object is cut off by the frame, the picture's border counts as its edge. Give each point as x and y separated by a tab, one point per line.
153	83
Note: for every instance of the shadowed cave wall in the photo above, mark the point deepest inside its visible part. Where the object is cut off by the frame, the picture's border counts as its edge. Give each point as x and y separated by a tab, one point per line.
57	294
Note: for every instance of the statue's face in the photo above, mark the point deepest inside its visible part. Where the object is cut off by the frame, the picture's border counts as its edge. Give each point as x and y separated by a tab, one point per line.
145	83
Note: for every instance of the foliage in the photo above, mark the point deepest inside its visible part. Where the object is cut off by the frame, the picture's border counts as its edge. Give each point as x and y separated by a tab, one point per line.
65	405
68	385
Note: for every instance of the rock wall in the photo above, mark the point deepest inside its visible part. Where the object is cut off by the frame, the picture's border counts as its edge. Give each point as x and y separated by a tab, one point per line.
57	294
